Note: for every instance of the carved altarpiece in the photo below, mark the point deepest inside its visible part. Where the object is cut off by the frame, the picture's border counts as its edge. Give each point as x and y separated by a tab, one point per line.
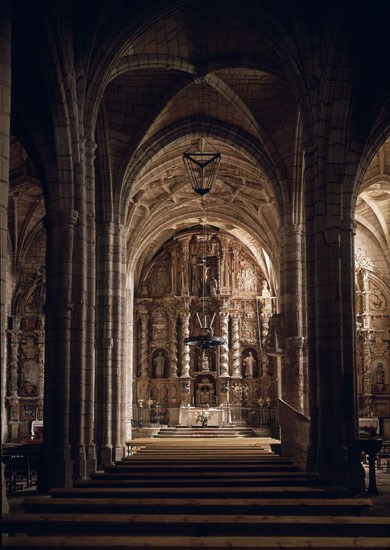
209	277
26	356
373	324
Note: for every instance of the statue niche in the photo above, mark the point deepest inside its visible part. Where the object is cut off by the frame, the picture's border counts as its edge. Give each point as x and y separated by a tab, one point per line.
30	375
250	363
204	360
159	363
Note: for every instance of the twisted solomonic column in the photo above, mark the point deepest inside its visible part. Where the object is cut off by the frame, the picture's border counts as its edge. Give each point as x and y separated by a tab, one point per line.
224	348
236	347
185	327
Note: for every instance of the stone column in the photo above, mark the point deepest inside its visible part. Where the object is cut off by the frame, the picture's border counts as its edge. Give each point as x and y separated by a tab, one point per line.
331	333
57	461
79	366
132	341
294	379
236	356
90	445
110	376
224	366
5	116
104	359
353	470
118	377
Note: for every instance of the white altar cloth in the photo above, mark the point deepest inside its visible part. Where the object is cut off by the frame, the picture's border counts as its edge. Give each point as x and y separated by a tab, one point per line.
218	416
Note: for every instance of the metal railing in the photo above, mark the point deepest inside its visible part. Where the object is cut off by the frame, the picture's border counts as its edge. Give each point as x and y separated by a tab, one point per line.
255	417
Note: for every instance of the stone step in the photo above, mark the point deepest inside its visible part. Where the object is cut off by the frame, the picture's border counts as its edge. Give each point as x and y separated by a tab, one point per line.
200	492
146	453
224	475
249	506
209	461
207	431
228	429
202	466
184	524
193	543
182	446
250	500
203	481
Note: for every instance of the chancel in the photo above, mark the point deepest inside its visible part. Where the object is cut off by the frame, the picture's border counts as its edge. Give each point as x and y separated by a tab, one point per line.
195	272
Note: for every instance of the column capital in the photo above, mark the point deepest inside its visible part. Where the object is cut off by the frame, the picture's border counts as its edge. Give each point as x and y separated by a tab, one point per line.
69	217
290	229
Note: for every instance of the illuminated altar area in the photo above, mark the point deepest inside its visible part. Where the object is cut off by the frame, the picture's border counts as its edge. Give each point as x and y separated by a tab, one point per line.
213	277
218	416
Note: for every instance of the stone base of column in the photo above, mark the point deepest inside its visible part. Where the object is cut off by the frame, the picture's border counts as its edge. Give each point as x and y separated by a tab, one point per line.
80	463
91	463
106	455
56	470
117	453
343	467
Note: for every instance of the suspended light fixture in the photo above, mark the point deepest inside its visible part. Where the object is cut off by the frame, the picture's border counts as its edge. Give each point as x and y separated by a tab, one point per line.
206	338
201	162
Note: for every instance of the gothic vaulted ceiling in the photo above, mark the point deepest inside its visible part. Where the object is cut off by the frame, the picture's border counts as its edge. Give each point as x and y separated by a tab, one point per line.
182	70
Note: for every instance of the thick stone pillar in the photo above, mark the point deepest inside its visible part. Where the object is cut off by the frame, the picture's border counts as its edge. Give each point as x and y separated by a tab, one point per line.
5	115
57	462
110	364
331	344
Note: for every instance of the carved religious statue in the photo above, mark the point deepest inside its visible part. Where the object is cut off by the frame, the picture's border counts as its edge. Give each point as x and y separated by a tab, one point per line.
249	364
159	364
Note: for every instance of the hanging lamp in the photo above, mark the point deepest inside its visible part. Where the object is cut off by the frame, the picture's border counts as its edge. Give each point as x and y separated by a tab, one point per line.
201	162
